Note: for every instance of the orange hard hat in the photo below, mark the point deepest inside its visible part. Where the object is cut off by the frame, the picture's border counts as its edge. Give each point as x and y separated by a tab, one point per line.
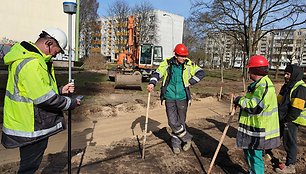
257	61
181	50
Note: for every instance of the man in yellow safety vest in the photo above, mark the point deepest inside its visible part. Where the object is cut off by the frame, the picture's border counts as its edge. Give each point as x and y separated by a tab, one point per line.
292	113
33	103
258	121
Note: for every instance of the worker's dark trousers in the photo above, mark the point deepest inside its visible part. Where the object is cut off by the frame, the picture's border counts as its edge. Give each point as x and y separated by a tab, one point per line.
289	133
176	113
31	156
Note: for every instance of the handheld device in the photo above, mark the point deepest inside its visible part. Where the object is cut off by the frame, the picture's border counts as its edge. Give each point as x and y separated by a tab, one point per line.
80	97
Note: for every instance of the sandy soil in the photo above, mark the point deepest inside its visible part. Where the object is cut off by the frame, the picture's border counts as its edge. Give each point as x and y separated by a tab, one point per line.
107	137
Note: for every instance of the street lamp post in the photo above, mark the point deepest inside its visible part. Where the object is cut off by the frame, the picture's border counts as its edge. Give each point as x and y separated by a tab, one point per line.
171	28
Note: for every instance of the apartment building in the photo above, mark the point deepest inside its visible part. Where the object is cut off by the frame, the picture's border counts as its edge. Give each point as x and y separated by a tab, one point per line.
284	46
280	47
222	47
169	33
96	39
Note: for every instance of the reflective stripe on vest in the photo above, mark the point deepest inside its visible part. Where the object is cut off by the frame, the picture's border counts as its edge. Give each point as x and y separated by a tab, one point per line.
266	113
45	97
256	101
32	134
257	134
16	97
189	74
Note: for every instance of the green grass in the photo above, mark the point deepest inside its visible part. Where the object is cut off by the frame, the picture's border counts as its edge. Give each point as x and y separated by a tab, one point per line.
82	78
215	75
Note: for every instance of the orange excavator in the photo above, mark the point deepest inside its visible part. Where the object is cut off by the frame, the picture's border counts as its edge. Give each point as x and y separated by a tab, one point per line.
137	62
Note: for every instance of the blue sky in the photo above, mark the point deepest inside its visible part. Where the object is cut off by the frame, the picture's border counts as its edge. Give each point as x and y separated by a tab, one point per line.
179	7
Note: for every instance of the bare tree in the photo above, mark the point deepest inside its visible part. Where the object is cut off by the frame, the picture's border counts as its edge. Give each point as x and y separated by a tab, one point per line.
88	24
247	20
195	45
189	39
236	50
118	13
147	22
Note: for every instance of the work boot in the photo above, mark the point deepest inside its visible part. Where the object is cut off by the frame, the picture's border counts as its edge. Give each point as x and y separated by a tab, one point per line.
285	169
176	150
187	146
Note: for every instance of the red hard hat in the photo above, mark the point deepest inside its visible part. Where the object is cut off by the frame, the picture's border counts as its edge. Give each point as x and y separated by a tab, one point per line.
181	50
257	61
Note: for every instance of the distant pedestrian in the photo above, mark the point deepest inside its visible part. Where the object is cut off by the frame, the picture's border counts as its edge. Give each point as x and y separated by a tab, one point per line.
258	120
33	103
292	113
178	73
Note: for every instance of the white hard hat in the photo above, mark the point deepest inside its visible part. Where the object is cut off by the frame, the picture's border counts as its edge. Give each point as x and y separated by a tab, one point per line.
59	36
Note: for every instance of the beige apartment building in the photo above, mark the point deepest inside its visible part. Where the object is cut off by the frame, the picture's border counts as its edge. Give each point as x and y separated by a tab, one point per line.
221	47
284	46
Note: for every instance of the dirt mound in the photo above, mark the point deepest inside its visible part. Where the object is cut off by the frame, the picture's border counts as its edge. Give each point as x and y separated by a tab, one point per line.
96	62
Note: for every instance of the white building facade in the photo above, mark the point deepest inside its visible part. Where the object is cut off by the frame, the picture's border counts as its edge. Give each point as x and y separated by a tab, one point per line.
23	20
170	31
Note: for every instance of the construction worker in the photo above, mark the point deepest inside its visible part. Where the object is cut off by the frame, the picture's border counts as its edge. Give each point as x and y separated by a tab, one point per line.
178	73
292	113
33	103
258	120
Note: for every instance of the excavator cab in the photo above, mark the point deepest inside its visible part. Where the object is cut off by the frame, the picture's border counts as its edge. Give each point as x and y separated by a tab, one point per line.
150	58
146	55
150	55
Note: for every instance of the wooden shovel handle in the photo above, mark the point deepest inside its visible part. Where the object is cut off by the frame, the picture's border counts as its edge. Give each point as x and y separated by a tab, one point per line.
146	126
222	139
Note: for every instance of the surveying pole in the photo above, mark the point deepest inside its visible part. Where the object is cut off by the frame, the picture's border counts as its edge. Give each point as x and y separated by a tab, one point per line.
70	8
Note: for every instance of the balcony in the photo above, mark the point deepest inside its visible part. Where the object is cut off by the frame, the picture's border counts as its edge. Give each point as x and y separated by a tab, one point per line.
97	34
95	50
98	42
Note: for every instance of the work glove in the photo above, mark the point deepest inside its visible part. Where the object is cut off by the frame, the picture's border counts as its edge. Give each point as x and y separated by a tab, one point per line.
74	103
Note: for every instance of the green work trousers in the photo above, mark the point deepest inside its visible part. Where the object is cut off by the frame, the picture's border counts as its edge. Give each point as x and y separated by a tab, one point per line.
255	161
